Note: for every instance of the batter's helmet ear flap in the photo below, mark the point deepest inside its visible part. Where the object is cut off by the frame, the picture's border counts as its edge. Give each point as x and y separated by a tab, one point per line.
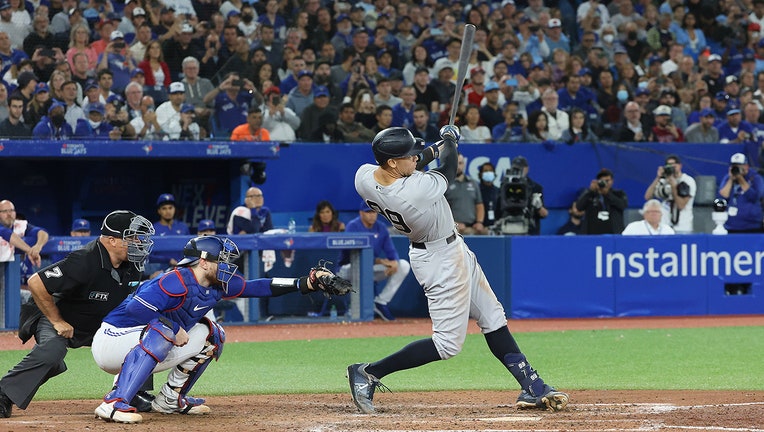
395	142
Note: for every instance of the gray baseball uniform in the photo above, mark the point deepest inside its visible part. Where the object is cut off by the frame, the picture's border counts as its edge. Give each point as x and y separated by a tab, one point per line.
453	281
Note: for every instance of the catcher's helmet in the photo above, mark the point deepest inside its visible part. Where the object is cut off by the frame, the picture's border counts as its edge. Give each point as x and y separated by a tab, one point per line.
720	205
395	142
214	249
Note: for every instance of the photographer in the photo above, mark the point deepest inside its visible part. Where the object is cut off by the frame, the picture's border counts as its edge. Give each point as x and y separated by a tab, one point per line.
743	190
513	128
676	191
279	120
117	59
531	200
118	118
603	206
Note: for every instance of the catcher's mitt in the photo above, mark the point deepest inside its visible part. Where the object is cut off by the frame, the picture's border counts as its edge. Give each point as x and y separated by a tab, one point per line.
323	279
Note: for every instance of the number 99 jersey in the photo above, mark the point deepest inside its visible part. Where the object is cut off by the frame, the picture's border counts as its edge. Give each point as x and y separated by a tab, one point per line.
414	205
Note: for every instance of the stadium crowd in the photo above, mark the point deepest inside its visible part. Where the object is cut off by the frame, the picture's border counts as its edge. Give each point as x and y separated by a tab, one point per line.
560	70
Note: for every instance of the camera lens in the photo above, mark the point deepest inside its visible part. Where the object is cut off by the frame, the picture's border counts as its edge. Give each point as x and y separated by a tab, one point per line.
602	183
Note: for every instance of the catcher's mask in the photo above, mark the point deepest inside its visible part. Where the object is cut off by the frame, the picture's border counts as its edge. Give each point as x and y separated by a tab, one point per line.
222	251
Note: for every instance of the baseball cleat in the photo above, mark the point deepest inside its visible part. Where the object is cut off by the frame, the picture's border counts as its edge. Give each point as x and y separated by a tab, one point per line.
142	401
118	412
6	405
551	400
170	404
362	387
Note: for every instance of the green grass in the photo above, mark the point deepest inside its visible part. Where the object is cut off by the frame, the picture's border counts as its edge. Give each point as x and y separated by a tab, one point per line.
703	359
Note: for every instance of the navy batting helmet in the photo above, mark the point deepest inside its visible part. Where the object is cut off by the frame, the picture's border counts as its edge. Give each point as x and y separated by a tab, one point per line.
395	142
213	249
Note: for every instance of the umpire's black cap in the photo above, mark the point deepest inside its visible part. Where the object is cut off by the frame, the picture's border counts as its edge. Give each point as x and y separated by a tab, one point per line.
116	222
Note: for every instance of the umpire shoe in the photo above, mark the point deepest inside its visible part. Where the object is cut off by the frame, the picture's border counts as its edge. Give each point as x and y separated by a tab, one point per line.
6	405
362	387
383	311
551	400
142	401
117	411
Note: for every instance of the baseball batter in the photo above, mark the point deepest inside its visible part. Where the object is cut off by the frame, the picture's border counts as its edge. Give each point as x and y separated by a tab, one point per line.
167	324
453	281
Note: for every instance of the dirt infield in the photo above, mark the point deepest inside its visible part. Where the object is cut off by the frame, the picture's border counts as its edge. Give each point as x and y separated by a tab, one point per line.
432	411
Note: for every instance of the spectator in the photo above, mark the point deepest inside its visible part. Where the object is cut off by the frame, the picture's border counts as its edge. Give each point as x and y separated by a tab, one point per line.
206	227
420	59
425	92
472	131
603	206
422	128
573	225
557	120
94	127
403	113
633	128
253	129
651	223
743	189
383	117
26	233
475	90
296	67
179	47
145	125
27	83
13	126
167	225
665	130
358	78
79	43
365	108
133	16
703	131
241	61
466	203
274	48
40	36
326	219
302	95
311	124
156	72
54	125
81	73
273	19
513	126
387	264
38	106
232	99
76	314
579	130
384	94
489	192
352	130
253	217
676	190
714	76
133	96
538	128
280	121
143	37
116	59
16	32
752	114
443	85
168	113
66	18
189	128
736	131
491	112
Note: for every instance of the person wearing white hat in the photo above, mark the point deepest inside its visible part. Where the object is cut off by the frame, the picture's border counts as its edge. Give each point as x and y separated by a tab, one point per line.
168	113
743	189
664	130
116	58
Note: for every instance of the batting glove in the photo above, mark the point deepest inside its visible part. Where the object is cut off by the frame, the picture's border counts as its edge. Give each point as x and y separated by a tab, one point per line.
450	131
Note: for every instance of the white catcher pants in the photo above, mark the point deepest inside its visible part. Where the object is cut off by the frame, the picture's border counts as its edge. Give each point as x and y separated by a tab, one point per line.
456	290
111	345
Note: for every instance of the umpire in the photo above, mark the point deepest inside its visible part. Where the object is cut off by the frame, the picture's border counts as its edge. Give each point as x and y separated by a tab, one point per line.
70	299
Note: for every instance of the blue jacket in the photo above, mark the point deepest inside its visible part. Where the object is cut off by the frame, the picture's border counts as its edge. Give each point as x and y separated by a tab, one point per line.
748	213
46	130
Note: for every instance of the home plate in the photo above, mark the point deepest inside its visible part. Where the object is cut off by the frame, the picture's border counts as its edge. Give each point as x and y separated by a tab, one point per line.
511	419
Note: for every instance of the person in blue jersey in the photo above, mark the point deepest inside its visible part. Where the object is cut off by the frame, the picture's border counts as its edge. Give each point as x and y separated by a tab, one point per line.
743	189
167	325
167	225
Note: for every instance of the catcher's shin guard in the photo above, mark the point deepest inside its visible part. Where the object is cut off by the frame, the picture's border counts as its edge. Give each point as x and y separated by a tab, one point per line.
183	377
155	344
525	375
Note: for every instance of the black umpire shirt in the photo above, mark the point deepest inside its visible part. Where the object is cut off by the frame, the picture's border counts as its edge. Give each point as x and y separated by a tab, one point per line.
86	287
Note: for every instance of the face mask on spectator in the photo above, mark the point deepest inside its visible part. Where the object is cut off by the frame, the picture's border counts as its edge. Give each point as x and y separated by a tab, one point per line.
489	176
642	84
57	120
622	96
94	124
608	38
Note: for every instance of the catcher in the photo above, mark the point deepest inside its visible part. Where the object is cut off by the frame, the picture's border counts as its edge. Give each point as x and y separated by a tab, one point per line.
167	324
